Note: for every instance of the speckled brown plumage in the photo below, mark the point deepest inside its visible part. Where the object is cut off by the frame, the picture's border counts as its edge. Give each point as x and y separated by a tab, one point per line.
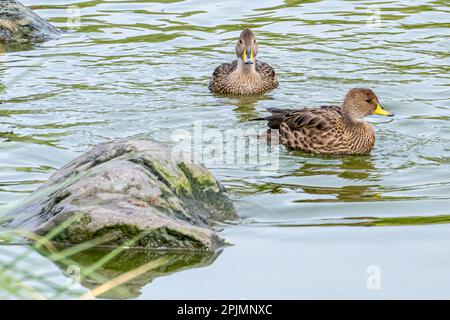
329	129
244	77
226	79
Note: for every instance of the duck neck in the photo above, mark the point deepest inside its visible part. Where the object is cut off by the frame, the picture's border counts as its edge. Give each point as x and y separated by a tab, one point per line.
351	117
357	127
353	121
245	69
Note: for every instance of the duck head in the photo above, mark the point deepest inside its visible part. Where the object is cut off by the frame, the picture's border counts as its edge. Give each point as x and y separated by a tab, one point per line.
246	47
360	103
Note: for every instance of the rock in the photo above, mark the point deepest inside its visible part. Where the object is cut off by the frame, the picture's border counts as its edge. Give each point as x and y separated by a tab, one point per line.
20	24
129	190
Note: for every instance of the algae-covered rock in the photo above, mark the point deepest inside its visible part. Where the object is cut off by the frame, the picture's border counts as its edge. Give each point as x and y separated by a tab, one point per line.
129	190
20	24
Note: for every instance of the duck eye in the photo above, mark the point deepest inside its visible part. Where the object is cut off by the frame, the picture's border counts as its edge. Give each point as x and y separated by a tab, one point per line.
368	100
240	41
254	41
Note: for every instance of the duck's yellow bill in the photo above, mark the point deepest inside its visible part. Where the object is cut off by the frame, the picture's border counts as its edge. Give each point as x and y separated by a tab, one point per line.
248	56
382	112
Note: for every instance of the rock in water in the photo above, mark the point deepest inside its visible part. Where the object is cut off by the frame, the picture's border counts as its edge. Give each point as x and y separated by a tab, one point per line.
129	189
20	24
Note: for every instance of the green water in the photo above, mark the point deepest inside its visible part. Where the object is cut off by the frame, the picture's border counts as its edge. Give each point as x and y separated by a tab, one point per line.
310	229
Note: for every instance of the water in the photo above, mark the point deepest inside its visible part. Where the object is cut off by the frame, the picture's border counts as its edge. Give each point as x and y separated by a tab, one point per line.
142	68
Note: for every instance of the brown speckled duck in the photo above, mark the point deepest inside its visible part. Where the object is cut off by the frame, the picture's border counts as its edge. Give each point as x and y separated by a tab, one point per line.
330	129
246	75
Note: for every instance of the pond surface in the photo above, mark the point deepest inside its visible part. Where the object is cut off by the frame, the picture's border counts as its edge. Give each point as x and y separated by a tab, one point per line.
317	227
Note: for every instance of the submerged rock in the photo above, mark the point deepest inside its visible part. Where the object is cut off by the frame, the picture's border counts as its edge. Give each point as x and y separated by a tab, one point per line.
129	190
20	24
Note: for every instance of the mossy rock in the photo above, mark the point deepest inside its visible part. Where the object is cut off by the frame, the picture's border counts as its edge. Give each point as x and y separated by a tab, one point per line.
129	190
20	24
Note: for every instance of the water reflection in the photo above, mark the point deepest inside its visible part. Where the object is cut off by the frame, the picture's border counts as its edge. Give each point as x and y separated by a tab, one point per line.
345	194
15	47
353	168
346	167
2	56
11	136
130	270
245	106
372	221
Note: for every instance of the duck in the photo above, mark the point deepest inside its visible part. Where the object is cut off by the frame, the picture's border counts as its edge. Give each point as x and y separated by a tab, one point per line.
245	75
331	129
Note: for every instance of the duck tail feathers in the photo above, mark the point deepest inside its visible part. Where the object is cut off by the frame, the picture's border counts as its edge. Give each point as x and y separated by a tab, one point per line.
275	110
274	120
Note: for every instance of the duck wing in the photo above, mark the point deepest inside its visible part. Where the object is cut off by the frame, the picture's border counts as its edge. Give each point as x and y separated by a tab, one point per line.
220	74
267	73
316	119
317	130
320	119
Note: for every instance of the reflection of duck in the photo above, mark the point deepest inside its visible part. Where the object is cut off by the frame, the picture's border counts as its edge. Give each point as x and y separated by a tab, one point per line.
330	129
246	75
342	194
350	168
142	266
245	104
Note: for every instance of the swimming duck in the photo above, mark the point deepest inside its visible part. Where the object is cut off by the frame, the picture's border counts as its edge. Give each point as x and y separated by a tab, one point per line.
246	75
330	129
